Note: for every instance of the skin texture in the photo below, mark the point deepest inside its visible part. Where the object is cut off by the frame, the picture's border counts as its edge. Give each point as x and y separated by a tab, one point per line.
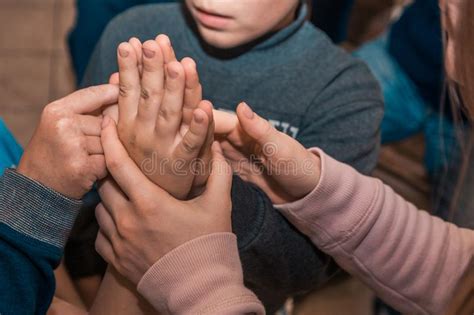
140	222
241	21
116	294
162	115
65	152
260	154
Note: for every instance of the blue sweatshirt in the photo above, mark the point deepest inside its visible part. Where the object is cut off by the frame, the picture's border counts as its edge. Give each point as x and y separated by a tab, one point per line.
35	222
10	150
416	44
306	87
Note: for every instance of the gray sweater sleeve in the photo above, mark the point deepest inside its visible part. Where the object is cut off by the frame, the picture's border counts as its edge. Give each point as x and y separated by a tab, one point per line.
344	119
35	210
34	224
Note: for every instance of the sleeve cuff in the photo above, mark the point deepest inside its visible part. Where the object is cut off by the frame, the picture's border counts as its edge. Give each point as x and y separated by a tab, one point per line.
202	276
338	203
36	210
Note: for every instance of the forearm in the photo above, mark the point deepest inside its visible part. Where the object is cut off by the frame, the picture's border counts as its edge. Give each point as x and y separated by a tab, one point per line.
34	224
202	276
118	296
405	255
278	260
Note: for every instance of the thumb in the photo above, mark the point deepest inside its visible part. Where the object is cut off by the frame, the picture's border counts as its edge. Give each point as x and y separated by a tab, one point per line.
120	165
219	184
114	78
92	98
257	128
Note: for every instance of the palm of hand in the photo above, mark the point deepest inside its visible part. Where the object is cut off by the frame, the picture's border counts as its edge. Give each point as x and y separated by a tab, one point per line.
247	158
272	160
161	118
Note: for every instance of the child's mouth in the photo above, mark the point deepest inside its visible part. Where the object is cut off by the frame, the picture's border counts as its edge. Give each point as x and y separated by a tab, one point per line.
212	20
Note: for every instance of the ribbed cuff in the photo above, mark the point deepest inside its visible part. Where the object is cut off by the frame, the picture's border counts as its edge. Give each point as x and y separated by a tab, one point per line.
36	210
202	276
338	203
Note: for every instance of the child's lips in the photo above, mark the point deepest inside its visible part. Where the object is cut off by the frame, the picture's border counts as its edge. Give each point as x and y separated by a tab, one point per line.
212	20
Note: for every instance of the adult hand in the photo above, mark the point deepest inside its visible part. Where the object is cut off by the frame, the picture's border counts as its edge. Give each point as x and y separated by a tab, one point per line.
65	152
260	154
140	222
161	113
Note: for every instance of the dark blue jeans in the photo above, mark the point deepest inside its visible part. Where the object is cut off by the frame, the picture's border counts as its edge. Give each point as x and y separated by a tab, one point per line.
332	16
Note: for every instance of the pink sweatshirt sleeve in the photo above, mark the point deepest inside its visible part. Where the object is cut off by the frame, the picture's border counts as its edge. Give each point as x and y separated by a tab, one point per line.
203	276
414	261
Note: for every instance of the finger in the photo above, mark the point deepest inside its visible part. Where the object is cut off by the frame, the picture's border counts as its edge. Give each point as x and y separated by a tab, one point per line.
255	126
106	223
112	111
114	78
192	142
90	99
205	154
166	48
90	125
123	169
224	122
112	196
152	82
137	47
97	164
104	248
170	112
206	106
129	82
94	146
193	90
220	180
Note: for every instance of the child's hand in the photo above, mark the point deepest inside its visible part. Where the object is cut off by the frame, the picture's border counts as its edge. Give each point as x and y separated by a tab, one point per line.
260	154
161	113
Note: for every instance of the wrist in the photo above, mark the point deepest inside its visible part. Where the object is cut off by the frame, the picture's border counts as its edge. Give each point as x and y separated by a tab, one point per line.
315	171
36	173
26	169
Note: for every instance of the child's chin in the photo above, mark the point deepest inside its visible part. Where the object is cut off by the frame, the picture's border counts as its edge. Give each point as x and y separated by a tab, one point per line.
221	40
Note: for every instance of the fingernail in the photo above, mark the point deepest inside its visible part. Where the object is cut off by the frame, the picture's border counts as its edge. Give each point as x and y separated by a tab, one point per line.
123	53
199	119
105	122
172	73
248	112
148	53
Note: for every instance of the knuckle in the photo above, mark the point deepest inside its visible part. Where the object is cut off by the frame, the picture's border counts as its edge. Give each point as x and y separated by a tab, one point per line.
113	164
151	94
53	111
189	146
167	112
145	93
124	227
125	89
164	113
